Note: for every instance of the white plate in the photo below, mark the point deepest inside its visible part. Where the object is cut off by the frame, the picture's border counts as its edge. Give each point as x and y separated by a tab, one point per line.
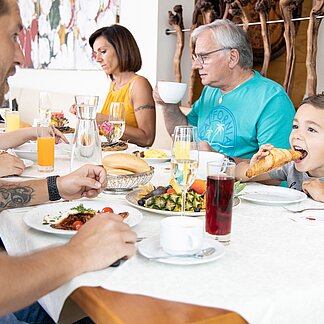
156	160
150	248
27	151
135	195
272	195
27	163
34	218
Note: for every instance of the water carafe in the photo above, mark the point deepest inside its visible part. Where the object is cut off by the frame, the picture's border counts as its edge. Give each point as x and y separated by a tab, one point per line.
86	143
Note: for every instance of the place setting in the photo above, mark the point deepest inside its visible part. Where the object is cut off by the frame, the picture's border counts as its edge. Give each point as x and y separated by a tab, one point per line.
182	241
66	218
271	195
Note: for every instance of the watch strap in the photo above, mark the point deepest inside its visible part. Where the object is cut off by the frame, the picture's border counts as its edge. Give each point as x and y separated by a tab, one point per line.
53	192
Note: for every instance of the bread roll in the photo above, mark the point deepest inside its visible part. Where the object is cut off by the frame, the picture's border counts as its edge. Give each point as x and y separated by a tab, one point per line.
125	162
275	159
117	171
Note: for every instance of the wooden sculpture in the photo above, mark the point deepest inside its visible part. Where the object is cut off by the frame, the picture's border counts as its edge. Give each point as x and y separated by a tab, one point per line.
209	10
312	35
176	20
263	8
287	7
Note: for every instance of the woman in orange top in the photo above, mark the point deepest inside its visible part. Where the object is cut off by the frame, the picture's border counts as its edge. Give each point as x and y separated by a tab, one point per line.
115	49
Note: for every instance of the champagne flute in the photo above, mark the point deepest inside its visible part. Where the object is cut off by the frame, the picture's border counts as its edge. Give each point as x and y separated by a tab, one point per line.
117	120
184	159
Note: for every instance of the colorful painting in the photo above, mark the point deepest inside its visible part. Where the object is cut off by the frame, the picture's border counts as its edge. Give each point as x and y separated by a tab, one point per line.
56	32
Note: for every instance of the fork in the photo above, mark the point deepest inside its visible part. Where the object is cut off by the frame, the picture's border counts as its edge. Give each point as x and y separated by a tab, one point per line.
303	209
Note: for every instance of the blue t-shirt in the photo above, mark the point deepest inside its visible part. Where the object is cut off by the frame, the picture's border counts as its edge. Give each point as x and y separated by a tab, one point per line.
257	112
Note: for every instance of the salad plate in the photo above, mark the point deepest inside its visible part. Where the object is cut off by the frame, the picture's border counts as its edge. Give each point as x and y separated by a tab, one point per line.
41	217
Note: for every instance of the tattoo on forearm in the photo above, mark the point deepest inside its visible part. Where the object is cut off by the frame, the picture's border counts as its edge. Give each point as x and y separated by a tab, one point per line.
15	196
144	107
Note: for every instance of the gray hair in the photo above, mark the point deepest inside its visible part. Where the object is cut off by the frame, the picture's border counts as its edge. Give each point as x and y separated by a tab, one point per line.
316	101
227	34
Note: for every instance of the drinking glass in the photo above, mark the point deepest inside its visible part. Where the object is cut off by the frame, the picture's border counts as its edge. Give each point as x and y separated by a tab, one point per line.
184	159
45	146
12	120
219	199
117	120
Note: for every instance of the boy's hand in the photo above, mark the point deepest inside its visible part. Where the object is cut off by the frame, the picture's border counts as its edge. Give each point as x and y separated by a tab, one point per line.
263	152
314	188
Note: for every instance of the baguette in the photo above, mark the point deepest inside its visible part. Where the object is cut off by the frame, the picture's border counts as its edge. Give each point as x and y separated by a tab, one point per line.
275	159
126	162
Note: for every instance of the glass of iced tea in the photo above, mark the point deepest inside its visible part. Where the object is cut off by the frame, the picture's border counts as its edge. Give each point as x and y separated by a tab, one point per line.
219	199
45	146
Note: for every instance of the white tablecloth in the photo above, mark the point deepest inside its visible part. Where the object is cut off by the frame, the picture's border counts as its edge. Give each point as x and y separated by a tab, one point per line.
272	270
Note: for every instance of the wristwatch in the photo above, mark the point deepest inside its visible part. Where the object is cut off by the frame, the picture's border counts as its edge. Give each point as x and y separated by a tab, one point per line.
53	192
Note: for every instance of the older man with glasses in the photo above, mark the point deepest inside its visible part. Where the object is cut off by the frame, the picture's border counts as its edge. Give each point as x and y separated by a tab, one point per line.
238	110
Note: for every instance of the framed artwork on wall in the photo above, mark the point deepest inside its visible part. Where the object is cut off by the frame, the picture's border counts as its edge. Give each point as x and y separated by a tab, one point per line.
55	32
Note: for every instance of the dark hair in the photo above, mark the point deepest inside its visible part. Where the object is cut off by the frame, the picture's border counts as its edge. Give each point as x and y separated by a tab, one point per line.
316	101
4	7
128	53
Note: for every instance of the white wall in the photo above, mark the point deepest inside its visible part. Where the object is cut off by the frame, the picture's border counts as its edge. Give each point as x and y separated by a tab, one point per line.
320	60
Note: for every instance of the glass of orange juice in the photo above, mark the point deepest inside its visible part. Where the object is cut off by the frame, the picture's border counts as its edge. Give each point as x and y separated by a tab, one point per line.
12	120
45	146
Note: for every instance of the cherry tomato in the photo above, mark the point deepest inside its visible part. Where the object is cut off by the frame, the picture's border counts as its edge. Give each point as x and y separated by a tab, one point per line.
107	210
77	225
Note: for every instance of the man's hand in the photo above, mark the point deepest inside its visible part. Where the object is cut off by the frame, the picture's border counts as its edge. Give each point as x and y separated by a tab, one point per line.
88	181
157	98
314	188
101	241
204	146
10	165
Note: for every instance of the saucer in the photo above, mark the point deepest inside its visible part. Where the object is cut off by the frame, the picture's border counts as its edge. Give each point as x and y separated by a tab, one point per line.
150	248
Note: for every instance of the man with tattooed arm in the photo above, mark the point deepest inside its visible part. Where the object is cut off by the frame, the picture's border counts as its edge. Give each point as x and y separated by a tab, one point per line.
23	279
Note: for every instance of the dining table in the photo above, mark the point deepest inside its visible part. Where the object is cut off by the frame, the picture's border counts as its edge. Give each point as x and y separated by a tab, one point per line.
271	272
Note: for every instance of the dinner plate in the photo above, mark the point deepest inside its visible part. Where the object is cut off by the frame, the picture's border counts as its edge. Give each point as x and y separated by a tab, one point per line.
150	248
35	217
272	195
28	163
135	195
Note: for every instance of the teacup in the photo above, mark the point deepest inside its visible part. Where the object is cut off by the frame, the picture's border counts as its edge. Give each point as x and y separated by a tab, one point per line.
204	158
181	235
171	92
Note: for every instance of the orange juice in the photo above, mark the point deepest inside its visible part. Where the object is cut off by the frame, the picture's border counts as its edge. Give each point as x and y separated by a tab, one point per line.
45	153
12	121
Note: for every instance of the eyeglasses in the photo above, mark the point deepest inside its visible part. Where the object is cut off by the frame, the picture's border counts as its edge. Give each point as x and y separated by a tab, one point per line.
202	56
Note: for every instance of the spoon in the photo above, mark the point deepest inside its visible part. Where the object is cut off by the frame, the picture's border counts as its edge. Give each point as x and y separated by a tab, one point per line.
199	255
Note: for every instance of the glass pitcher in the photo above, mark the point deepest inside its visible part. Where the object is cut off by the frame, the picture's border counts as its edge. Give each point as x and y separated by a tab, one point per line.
86	143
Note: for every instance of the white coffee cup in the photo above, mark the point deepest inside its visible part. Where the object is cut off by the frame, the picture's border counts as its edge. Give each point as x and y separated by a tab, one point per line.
204	158
181	235
171	92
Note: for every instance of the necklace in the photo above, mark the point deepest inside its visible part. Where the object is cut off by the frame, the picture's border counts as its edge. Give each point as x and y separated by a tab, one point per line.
220	99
